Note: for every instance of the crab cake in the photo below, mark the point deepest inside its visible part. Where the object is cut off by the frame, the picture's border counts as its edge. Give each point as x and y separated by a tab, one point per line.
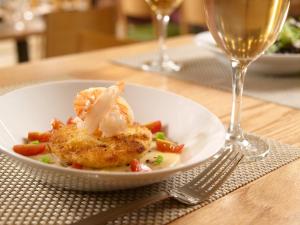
73	145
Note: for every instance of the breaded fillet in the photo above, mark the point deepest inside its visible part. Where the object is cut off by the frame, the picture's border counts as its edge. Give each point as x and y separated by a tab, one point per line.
73	145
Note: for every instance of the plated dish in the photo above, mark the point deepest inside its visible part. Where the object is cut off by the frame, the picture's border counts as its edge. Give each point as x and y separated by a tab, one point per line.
103	135
269	64
184	121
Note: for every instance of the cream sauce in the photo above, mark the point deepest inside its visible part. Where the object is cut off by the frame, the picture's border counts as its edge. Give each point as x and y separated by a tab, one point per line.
148	159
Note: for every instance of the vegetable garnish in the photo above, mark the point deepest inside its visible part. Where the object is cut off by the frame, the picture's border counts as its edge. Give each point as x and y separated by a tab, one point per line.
39	136
154	126
70	121
46	159
76	166
136	166
158	160
56	124
29	149
34	142
168	146
160	135
288	40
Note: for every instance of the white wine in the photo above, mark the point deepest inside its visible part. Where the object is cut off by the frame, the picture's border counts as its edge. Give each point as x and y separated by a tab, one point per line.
164	7
244	29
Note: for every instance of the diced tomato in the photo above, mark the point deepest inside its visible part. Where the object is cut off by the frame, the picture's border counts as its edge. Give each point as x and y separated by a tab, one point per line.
167	146
136	166
76	166
56	124
30	149
154	126
39	136
70	121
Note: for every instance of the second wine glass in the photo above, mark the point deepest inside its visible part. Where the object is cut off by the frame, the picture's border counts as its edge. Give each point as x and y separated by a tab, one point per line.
162	10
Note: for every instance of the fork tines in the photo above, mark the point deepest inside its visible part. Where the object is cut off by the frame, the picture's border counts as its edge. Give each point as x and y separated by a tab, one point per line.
209	180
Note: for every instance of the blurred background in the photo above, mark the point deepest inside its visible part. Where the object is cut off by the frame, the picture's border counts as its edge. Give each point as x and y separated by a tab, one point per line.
32	30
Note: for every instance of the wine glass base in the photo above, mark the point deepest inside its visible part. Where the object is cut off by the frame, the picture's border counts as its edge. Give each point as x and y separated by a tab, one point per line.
253	147
164	66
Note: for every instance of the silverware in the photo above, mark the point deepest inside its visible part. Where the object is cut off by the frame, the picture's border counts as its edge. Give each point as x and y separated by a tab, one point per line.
194	192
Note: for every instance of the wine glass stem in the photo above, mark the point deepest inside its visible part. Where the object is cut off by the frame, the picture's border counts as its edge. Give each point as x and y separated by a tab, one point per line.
163	21
239	70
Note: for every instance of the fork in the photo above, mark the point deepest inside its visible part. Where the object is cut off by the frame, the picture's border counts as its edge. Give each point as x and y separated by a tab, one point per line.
194	192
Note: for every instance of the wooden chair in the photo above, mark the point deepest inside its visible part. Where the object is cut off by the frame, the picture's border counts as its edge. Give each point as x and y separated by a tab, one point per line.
295	8
91	40
138	9
73	4
191	14
63	28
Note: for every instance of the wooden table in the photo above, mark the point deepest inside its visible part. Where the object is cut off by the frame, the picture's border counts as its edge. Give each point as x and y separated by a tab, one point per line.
273	199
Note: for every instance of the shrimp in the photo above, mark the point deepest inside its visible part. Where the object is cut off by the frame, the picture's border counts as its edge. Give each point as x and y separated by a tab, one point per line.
104	110
85	99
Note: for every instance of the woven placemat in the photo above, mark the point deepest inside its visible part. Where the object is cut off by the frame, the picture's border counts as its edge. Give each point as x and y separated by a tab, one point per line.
201	66
24	200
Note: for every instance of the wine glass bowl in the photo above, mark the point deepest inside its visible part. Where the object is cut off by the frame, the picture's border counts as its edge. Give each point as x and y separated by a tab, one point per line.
244	29
162	10
163	7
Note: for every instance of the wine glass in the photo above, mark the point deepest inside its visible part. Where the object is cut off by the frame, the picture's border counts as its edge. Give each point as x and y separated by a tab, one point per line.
244	29
162	10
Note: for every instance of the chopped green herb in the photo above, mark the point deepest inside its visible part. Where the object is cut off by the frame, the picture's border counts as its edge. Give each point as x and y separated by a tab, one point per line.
34	142
160	135
158	160
46	159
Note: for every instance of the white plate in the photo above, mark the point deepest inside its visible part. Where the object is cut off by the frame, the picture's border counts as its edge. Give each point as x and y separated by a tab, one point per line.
271	64
32	108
